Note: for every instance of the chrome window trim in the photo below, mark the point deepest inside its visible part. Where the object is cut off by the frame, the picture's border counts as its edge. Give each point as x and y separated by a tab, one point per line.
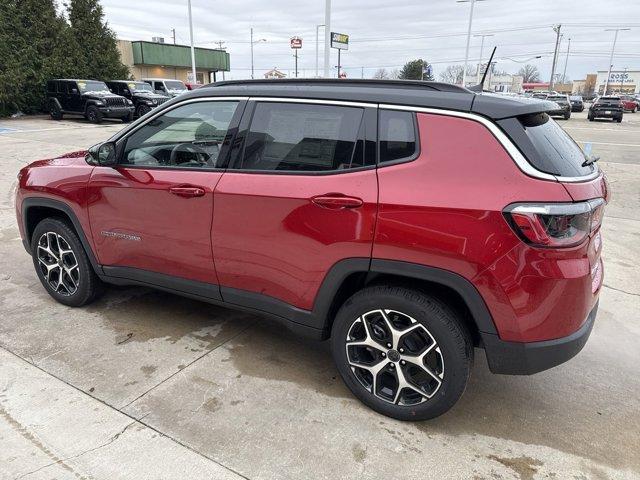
340	103
505	141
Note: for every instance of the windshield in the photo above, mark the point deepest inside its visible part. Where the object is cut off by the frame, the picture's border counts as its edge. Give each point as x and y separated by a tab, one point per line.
139	87
175	85
93	87
557	98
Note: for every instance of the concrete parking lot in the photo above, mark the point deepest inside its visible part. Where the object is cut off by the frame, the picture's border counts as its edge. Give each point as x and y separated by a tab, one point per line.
147	385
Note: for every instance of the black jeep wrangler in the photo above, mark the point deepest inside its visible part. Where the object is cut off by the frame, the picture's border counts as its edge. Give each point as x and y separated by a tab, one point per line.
90	98
140	93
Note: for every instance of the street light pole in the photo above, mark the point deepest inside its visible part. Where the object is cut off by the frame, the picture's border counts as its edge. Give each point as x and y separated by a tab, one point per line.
317	46
466	53
613	48
251	53
193	51
252	44
481	49
327	37
566	60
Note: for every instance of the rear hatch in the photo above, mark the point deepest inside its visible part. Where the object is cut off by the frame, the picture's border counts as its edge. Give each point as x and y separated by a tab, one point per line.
608	103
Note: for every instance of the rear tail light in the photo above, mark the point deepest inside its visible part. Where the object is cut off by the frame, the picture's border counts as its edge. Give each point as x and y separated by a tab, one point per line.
555	225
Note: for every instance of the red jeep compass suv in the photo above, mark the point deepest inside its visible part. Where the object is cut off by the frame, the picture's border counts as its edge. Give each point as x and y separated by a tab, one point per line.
407	221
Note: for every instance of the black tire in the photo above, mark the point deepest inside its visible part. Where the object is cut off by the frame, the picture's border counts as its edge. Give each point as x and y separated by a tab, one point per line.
54	111
128	118
441	324
567	116
87	284
590	117
619	119
93	114
143	110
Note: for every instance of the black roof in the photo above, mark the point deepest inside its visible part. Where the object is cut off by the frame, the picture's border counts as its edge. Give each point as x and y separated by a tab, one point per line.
124	81
400	92
75	80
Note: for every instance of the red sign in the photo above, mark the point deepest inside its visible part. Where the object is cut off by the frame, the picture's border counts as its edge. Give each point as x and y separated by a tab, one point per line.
296	42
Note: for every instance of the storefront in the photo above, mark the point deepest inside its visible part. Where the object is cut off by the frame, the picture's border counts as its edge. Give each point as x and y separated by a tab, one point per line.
164	60
620	81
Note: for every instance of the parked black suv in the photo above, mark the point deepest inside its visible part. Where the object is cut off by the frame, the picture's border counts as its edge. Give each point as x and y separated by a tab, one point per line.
577	103
606	107
564	106
140	93
91	98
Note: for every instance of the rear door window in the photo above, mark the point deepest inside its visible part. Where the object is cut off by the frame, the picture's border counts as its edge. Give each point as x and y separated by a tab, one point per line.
298	137
554	151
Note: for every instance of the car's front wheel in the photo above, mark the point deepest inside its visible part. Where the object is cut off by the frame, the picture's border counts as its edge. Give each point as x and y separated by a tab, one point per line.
143	110
62	264
93	114
402	352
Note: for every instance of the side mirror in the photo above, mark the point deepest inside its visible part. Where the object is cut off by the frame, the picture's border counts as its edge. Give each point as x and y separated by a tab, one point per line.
74	90
103	154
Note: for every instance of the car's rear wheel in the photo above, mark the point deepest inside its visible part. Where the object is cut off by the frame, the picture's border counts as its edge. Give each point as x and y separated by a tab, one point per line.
93	114
62	264
402	352
54	111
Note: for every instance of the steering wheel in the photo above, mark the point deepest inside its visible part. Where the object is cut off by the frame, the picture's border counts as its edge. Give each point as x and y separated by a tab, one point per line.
188	147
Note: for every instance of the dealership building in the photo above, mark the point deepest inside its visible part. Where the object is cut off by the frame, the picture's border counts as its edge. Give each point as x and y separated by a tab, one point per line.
166	60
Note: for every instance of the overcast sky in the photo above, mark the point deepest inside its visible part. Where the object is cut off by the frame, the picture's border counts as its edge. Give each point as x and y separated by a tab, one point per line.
387	33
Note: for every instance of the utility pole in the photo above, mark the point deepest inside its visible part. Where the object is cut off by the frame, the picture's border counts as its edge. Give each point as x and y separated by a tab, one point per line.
555	55
481	49
220	47
566	60
327	37
613	48
317	47
296	55
339	62
361	72
193	51
173	34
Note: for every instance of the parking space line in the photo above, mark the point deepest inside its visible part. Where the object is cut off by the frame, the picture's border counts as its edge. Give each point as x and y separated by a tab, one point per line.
612	144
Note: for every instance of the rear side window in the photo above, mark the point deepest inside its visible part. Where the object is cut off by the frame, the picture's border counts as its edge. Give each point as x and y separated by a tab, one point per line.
291	137
397	136
52	86
554	151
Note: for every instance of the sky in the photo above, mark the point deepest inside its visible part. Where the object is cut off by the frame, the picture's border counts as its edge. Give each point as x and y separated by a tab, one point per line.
386	34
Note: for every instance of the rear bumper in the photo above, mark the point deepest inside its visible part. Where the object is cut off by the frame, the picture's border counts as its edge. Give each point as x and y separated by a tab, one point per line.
604	114
516	358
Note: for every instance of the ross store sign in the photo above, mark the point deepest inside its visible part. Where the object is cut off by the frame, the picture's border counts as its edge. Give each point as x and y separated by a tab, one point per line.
296	42
339	41
619	76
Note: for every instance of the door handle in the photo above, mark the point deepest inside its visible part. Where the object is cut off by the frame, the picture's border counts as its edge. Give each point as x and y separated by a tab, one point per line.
187	192
337	201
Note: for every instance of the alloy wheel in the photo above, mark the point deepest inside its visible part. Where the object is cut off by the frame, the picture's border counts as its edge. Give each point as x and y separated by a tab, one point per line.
58	263
394	357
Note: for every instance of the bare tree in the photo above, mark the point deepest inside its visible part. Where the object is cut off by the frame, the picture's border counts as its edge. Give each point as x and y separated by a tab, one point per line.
394	74
381	74
529	73
453	74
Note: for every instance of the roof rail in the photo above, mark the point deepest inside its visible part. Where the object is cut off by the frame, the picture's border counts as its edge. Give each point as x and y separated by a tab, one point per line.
435	86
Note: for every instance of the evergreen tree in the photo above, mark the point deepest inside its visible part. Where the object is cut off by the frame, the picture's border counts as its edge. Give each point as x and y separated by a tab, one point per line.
32	50
100	58
413	70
